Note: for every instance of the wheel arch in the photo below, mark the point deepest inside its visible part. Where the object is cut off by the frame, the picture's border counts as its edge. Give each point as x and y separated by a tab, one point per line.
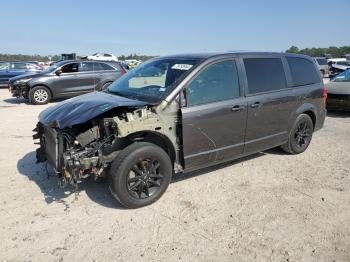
40	84
310	110
157	139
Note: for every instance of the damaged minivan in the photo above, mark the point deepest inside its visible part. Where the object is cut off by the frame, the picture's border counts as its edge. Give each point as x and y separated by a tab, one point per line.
181	113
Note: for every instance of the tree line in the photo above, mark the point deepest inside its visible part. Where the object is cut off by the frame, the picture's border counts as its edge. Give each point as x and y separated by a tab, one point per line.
40	58
20	57
332	51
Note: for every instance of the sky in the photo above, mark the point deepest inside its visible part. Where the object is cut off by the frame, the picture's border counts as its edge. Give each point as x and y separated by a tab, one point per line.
160	27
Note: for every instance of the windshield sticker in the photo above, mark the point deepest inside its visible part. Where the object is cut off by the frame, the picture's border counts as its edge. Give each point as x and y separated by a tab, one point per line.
162	89
181	66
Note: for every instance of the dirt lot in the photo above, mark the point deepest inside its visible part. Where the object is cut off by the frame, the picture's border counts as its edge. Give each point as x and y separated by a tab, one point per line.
271	206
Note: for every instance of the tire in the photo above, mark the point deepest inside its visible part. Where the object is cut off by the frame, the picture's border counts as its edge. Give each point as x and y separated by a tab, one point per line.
39	95
129	181
300	135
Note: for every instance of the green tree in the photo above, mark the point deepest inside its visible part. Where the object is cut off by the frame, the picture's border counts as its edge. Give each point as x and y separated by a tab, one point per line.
293	49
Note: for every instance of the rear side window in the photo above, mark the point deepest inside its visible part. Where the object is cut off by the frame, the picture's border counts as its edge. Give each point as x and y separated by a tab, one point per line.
87	67
264	74
303	71
217	82
106	67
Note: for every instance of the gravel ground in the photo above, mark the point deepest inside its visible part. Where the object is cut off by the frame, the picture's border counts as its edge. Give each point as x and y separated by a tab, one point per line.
270	206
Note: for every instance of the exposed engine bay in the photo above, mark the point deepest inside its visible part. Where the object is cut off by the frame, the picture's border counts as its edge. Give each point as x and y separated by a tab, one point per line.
87	149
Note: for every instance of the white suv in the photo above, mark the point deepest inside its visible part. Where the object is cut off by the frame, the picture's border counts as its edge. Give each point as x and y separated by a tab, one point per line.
103	57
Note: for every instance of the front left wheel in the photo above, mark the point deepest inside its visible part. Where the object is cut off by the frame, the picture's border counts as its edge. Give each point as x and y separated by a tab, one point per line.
39	95
140	174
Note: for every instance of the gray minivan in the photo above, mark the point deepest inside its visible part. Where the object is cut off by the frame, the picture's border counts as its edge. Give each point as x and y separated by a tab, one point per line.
193	111
65	79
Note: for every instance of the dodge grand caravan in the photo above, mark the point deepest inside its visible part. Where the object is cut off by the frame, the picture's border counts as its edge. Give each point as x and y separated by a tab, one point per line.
198	110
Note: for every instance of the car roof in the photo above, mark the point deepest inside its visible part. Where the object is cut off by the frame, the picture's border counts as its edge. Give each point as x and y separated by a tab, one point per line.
88	60
229	53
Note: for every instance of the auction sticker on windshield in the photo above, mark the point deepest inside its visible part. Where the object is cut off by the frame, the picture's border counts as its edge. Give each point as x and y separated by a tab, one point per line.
181	66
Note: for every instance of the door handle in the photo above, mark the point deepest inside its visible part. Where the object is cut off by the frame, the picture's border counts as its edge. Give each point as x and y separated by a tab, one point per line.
256	105
237	108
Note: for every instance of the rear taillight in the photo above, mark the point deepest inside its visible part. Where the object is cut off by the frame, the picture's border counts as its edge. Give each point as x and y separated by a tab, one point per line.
324	94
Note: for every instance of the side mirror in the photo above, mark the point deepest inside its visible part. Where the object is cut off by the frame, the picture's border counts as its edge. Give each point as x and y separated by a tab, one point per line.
58	72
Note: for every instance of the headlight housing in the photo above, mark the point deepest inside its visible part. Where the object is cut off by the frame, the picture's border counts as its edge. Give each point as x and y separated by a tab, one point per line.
22	81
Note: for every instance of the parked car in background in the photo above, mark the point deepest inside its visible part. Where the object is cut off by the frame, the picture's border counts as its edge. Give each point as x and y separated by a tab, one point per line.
132	63
65	79
338	67
12	69
322	65
339	92
199	110
102	57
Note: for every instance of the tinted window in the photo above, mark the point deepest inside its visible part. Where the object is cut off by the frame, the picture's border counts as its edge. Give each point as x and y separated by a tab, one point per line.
18	66
70	68
106	67
216	83
264	74
303	71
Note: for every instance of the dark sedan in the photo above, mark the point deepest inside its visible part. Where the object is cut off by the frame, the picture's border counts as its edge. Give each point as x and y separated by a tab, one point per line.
12	69
65	79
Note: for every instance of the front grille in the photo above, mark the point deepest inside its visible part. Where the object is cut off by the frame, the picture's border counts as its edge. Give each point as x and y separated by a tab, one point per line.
51	146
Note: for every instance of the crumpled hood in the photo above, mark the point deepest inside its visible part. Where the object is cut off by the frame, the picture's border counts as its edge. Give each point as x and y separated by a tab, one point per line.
26	75
82	108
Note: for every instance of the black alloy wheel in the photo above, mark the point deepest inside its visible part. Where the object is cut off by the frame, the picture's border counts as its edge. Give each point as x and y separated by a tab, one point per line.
300	135
140	174
144	179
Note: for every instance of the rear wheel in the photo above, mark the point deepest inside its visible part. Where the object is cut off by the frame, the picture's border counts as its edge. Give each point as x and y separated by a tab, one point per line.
300	135
39	95
140	174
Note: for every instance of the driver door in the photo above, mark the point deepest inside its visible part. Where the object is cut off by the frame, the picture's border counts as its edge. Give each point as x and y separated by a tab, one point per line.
214	117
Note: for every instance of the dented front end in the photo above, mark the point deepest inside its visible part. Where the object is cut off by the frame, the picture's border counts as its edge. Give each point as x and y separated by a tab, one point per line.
88	148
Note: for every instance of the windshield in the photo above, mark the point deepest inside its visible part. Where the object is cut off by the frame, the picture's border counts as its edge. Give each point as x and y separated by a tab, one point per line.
53	67
322	61
152	80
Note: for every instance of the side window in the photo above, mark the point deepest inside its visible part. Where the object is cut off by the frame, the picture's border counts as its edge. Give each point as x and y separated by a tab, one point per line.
106	67
107	55
264	74
215	83
303	71
87	67
32	67
4	66
70	68
18	66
